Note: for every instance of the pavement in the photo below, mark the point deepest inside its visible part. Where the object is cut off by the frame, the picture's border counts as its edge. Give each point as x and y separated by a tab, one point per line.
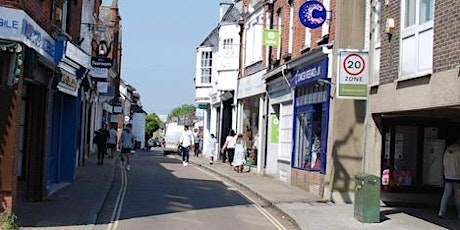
77	205
310	212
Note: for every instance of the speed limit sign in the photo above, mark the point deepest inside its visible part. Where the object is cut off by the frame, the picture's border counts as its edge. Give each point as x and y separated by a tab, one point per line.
353	74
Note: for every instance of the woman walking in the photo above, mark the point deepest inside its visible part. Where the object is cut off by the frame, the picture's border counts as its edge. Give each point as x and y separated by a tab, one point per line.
229	147
240	154
212	148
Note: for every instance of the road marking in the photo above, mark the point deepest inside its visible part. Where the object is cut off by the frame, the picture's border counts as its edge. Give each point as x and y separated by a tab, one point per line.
114	220
259	208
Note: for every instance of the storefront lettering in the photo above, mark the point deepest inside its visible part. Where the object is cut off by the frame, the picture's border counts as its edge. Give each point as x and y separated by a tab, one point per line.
33	35
10	24
310	73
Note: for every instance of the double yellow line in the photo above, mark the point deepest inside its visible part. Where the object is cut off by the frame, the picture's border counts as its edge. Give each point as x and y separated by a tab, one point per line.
119	202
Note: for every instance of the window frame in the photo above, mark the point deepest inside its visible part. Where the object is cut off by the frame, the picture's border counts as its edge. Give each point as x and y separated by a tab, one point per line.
414	30
206	64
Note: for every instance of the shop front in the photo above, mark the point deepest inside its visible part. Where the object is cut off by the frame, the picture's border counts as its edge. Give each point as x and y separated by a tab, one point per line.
64	152
311	123
26	67
279	142
251	109
413	144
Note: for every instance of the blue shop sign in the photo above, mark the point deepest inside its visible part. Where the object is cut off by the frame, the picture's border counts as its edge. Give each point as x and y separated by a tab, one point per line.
310	73
312	14
16	25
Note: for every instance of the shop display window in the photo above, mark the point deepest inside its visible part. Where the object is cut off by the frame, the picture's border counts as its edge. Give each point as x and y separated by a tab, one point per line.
308	138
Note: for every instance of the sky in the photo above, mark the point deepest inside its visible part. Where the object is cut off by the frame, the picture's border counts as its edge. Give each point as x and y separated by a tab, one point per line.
159	48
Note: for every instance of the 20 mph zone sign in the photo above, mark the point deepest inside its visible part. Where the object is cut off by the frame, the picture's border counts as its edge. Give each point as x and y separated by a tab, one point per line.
353	74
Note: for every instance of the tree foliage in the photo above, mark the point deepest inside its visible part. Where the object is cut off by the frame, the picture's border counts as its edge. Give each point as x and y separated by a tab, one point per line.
183	110
152	123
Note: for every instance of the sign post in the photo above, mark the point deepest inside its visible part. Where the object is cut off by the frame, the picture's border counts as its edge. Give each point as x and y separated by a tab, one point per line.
353	74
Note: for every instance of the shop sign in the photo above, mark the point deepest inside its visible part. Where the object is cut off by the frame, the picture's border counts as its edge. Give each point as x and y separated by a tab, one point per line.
99	72
271	38
251	85
203	106
275	124
102	87
68	85
77	55
101	62
310	73
312	14
353	74
16	25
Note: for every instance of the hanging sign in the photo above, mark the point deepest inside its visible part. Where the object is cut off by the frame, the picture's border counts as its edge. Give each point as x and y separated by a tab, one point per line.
312	14
271	38
353	74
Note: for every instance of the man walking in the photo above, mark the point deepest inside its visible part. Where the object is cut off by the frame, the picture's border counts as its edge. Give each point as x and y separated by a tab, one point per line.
100	138
451	162
127	144
186	142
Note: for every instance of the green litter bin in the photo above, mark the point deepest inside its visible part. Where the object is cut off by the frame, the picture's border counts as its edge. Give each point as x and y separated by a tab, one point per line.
367	198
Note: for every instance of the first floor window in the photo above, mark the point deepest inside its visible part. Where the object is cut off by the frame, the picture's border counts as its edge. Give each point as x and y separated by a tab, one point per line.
206	67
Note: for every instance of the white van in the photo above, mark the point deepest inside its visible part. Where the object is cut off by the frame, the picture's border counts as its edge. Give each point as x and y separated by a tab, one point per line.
172	137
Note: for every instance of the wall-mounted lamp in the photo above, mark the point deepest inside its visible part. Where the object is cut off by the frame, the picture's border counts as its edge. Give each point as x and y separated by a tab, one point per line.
390	28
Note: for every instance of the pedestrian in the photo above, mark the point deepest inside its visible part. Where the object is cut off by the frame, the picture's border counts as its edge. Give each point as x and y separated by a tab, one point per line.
240	154
212	148
186	142
100	138
112	142
229	147
197	145
451	163
127	144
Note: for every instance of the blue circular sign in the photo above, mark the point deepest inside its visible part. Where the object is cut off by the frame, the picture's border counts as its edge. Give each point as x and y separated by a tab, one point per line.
312	14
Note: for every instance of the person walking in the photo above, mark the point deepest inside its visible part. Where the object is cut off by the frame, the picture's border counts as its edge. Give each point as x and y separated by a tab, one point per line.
186	142
127	144
112	142
100	138
451	163
197	145
212	148
240	154
229	147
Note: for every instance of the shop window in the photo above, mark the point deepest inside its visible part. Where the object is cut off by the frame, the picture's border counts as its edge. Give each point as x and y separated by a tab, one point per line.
308	139
6	68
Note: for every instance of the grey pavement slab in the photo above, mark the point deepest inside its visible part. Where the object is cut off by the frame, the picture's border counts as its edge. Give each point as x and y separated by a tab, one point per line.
75	206
310	212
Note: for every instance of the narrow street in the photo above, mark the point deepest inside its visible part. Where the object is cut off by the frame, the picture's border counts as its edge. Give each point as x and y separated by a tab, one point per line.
160	193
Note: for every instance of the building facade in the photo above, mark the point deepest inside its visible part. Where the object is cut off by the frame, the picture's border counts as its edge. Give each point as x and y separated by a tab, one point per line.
414	96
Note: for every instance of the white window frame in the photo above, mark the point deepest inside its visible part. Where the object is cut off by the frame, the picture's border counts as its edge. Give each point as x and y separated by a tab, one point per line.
204	64
286	116
307	39
376	42
414	31
291	27
280	29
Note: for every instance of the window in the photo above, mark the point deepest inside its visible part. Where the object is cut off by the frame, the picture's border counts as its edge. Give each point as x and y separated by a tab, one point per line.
253	40
375	20
309	139
206	67
416	38
228	44
307	38
280	29
285	128
291	27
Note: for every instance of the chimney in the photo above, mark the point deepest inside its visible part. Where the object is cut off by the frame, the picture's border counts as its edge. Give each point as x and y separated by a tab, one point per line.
223	9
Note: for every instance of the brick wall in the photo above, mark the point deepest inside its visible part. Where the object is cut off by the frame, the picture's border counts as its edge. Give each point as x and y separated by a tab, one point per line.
389	59
299	30
446	53
43	13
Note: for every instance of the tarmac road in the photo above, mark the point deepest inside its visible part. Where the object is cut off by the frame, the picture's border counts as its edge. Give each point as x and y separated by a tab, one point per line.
160	193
